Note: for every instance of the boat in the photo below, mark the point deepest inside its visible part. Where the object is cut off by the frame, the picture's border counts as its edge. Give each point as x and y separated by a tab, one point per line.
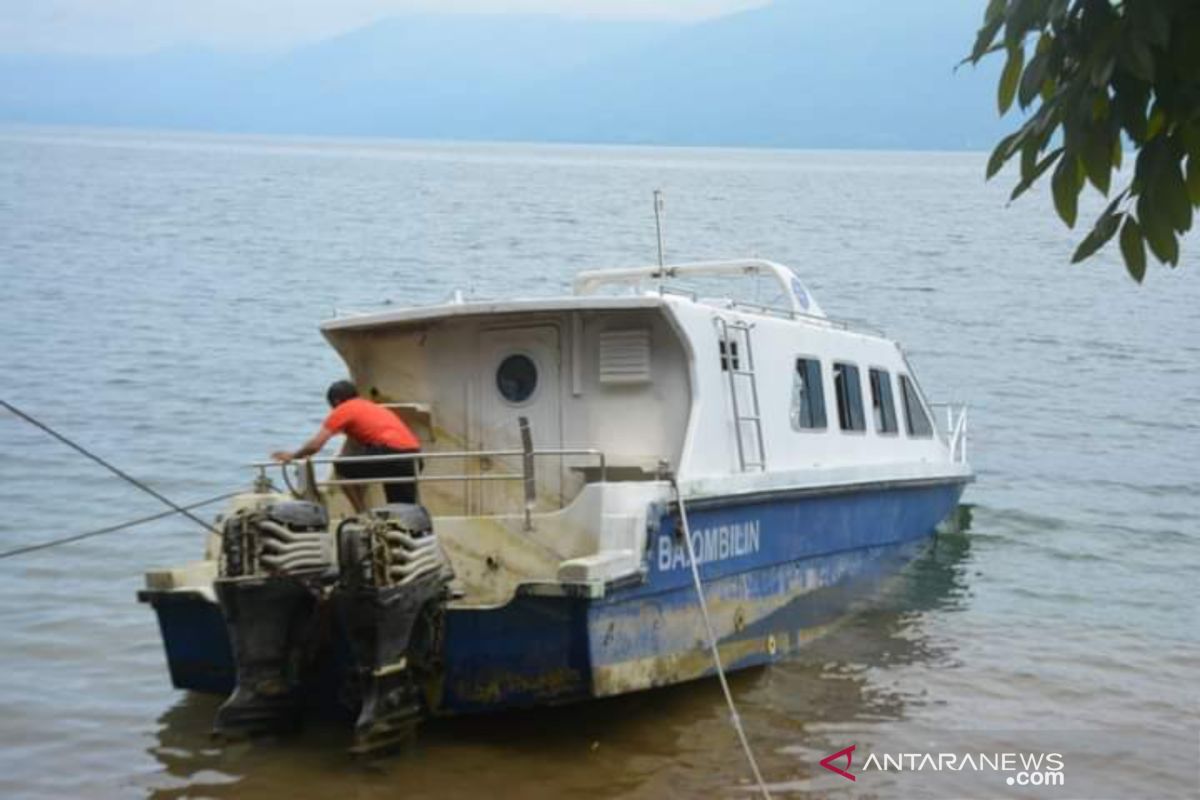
578	453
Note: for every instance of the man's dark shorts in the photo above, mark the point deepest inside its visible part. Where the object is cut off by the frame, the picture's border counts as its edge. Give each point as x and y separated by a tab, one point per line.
400	468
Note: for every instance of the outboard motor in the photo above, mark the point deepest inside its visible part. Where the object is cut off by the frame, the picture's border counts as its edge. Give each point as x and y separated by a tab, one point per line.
390	600
274	563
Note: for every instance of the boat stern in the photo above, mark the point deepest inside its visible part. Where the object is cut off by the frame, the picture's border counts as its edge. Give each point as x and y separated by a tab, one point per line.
193	630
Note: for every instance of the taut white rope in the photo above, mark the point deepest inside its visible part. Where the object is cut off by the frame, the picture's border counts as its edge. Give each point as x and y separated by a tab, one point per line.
712	643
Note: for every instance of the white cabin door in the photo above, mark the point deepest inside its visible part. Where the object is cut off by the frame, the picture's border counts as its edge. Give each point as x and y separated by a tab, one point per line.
519	376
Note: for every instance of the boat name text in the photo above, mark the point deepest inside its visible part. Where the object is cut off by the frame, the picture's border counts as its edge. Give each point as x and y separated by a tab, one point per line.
716	543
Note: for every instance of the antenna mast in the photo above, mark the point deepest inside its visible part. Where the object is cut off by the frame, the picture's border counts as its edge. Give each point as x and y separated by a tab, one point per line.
658	212
659	206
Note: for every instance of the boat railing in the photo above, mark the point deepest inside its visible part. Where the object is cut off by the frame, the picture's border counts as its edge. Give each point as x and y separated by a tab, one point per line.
526	476
781	312
851	325
955	430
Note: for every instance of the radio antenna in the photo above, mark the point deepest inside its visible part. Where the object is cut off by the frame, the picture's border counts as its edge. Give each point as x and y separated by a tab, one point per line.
659	206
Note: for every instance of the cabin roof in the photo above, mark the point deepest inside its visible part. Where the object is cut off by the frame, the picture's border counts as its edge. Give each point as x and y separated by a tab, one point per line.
468	308
801	308
419	314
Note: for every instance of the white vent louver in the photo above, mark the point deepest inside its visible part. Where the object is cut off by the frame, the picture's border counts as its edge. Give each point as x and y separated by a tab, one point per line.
625	357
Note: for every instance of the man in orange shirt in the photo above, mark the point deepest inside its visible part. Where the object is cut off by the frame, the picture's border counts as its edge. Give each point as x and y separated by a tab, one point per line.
377	431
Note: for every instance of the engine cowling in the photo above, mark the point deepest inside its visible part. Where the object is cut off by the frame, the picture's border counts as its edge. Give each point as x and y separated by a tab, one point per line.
274	564
390	599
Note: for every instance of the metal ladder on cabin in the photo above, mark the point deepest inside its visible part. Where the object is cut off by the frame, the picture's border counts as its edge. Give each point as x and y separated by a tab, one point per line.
737	359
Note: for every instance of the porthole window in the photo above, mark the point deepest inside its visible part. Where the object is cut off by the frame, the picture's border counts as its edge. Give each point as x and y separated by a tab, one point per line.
516	378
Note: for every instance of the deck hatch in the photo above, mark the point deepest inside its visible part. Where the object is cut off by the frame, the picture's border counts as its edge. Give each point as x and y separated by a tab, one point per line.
625	357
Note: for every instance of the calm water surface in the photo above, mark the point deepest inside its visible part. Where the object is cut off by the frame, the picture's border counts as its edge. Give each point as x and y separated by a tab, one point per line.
159	301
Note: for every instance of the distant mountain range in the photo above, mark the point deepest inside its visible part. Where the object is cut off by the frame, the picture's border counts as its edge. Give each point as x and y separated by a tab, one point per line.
797	73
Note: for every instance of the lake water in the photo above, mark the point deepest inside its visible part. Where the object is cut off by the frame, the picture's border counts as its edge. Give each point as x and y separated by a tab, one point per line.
159	301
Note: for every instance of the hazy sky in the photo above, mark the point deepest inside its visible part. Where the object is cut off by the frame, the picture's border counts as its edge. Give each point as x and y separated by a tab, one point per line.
122	26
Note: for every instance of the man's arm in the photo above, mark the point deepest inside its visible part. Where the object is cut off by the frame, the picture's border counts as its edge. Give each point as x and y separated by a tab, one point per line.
311	447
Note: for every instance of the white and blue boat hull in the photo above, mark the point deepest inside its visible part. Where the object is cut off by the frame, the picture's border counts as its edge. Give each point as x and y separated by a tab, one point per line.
778	568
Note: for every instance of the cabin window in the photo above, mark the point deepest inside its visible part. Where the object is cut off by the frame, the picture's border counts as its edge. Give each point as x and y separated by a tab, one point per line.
808	395
848	387
517	378
915	418
882	404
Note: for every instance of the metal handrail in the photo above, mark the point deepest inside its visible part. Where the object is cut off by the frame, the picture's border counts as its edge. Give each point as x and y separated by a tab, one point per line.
417	454
782	312
588	282
502	476
853	326
526	475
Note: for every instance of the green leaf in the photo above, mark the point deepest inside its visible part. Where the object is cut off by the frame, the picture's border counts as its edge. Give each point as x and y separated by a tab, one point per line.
1191	138
1045	120
1150	22
1029	156
1103	230
1097	158
1130	98
1173	191
1136	57
1133	249
1146	166
1010	77
1185	47
1111	207
1033	79
1037	172
1193	179
1023	16
1102	71
1047	90
1003	152
1157	231
984	39
1065	186
1163	244
1156	123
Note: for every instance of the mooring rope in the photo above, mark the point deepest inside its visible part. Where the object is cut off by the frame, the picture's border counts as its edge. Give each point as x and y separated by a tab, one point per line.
29	548
175	507
712	644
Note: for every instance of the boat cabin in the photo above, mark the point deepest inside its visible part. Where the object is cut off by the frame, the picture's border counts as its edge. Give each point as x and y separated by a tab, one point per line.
550	426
